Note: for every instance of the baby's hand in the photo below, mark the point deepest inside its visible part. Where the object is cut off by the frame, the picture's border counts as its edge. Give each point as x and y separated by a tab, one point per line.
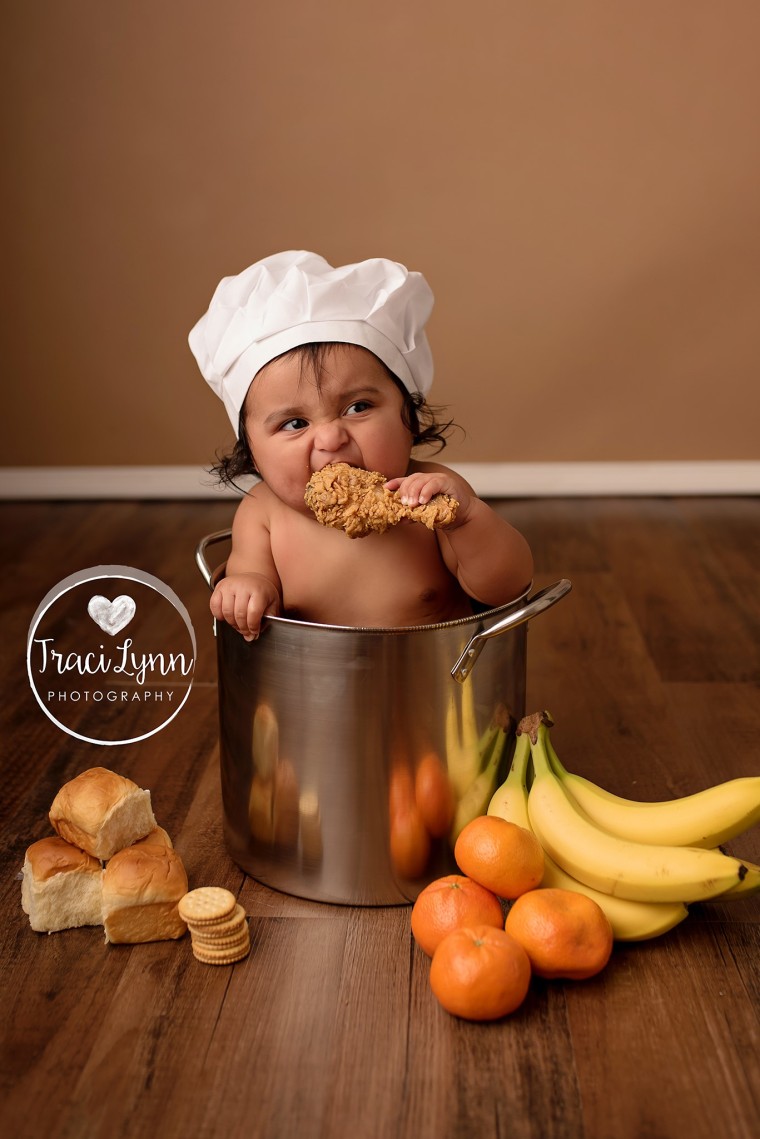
417	489
242	599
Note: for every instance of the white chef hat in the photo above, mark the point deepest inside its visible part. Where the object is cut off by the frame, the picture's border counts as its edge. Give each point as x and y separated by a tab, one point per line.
297	298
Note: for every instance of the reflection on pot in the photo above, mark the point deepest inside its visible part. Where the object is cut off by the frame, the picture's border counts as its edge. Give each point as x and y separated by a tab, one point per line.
273	806
260	809
285	816
408	836
431	801
279	814
434	795
311	830
474	760
265	741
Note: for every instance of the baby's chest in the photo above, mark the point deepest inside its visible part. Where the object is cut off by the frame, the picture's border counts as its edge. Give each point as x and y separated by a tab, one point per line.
384	578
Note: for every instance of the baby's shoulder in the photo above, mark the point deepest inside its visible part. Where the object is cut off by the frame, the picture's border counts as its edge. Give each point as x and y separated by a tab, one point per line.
424	466
260	508
255	506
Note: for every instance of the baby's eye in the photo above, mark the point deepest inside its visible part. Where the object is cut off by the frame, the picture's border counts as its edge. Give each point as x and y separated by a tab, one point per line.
294	424
358	406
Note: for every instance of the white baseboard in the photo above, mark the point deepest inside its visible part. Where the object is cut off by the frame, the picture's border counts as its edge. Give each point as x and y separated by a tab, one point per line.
490	480
592	480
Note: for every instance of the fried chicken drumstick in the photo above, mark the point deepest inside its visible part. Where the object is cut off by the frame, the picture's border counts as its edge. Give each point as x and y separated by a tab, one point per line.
350	499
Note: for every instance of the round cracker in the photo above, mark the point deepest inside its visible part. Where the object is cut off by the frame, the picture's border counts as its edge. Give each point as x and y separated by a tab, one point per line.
206	904
223	945
233	939
220	957
222	928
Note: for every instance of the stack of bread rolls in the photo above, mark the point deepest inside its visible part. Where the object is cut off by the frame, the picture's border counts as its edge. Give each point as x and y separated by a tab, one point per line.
108	864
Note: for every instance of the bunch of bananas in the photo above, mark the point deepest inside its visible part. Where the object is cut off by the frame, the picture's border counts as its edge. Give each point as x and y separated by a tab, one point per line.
641	862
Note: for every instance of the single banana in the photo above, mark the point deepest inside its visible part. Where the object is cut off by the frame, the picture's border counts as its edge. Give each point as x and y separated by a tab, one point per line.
510	800
630	921
705	819
639	871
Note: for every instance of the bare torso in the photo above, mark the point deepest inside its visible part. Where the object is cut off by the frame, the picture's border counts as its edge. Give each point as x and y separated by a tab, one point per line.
390	580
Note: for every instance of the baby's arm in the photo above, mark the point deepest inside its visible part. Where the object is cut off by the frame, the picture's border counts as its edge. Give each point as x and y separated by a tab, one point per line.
490	559
251	586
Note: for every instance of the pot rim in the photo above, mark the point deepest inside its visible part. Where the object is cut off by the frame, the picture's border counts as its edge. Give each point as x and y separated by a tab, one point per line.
393	630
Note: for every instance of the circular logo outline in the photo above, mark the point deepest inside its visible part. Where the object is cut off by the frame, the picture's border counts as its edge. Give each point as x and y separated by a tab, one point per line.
93	573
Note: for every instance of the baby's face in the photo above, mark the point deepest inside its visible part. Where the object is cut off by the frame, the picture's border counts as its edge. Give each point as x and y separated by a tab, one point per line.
296	426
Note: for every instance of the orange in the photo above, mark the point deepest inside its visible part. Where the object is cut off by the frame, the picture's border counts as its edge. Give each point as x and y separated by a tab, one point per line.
564	934
480	973
503	857
409	842
449	903
434	795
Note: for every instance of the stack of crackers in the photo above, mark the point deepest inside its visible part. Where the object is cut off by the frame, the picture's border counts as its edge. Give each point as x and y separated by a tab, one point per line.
218	925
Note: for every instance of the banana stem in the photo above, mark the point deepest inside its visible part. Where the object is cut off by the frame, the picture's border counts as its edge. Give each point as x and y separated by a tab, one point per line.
536	730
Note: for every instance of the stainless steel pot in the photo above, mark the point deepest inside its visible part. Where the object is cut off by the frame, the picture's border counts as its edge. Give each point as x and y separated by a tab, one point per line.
351	757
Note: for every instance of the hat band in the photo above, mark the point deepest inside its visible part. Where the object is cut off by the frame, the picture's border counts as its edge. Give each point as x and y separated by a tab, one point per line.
241	374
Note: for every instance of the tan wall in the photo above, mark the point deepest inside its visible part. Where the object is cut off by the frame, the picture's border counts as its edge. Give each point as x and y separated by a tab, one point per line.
579	182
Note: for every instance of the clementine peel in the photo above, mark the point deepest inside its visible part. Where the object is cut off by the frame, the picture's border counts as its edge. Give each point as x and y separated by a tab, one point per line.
480	973
449	903
502	856
565	934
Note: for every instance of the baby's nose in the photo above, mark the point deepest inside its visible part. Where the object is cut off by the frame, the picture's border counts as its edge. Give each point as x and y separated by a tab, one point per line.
330	435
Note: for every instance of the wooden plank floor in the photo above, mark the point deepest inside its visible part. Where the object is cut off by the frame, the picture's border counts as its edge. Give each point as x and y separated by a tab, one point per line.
651	669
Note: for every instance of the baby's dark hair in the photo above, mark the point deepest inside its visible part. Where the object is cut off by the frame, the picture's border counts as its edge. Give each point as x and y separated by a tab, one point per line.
418	416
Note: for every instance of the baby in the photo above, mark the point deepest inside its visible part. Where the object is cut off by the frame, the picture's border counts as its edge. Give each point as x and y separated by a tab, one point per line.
320	365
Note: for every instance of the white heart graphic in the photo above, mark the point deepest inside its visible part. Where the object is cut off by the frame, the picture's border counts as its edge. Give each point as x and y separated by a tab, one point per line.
111	616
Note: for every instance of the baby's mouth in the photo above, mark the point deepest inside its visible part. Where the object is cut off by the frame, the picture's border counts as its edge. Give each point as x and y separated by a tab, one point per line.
320	466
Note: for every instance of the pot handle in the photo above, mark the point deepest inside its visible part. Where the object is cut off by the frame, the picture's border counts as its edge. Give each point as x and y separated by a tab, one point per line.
532	607
200	552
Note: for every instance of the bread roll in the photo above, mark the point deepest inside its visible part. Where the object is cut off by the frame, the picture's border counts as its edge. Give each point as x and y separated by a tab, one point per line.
102	812
61	886
157	837
142	886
